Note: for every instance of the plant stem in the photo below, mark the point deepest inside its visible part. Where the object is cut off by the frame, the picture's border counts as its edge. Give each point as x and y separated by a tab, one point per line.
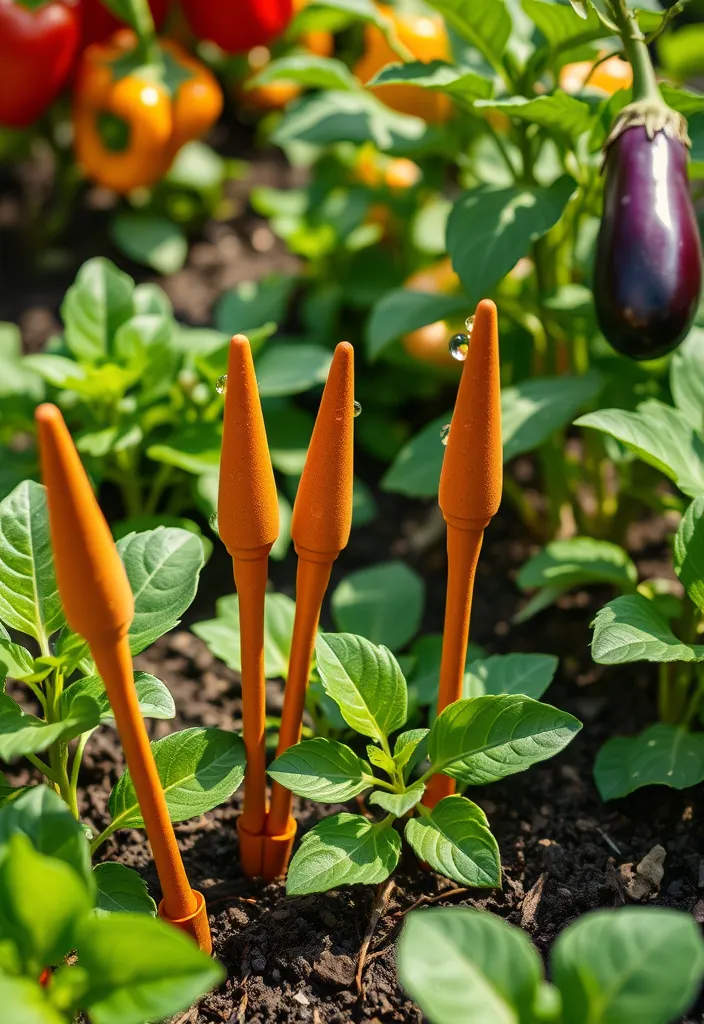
77	758
104	835
43	768
645	86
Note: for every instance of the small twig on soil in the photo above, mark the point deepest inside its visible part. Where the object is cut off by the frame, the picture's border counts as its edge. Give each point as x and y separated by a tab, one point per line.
433	899
609	841
226	899
380	904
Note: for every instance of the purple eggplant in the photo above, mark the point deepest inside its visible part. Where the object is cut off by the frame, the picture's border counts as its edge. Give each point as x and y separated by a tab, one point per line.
648	273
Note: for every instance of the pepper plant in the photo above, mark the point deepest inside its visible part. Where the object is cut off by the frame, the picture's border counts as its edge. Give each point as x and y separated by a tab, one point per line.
477	740
63	957
163	566
644	964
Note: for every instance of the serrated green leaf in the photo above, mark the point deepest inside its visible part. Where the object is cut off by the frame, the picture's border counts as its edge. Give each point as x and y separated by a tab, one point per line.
688	552
529	674
99	300
438	75
483	739
631	628
642	964
455	839
558	113
29	597
155	700
41	815
222	634
410	748
663	755
380	758
383	603
198	768
22	733
364	681
344	849
323	770
467	965
163	567
121	889
398	803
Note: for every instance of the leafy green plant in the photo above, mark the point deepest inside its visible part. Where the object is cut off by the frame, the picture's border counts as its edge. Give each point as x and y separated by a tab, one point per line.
654	625
475	741
644	964
199	768
125	968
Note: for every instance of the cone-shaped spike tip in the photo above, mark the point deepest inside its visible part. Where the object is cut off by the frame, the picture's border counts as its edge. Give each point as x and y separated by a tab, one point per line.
94	589
248	509
322	513
472	472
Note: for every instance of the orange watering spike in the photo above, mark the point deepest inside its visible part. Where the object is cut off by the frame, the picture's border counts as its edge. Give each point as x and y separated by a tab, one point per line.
320	528
98	604
470	494
248	523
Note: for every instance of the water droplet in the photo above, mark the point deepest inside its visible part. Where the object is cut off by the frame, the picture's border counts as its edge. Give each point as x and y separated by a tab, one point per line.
445	433
357	409
221	384
213	522
459	346
469	324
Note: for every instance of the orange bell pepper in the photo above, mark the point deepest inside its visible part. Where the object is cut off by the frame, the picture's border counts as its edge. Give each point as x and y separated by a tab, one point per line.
131	119
608	77
429	344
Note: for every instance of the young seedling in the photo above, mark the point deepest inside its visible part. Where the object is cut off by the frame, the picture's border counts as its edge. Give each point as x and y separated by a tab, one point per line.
473	741
322	520
635	964
122	967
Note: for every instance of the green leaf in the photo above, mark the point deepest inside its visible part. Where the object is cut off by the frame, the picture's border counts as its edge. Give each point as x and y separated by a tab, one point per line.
99	300
437	75
380	759
425	675
155	700
559	113
198	768
22	733
631	628
344	849
659	435
533	410
28	1002
364	681
141	969
398	803
308	70
41	815
29	597
490	228
642	964
291	369
682	52
54	369
122	889
194	449
687	378
455	839
483	739
154	241
576	562
333	116
558	25
383	603
222	634
416	469
163	567
15	659
486	26
467	965
42	900
662	755
401	311
410	748
529	674
254	303
688	552
288	430
323	770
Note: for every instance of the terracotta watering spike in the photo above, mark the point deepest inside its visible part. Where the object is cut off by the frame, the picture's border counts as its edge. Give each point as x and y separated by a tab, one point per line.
98	604
320	528
470	494
248	523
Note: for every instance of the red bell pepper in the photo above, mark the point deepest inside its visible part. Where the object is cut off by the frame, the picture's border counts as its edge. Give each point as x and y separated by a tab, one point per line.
38	43
99	22
238	27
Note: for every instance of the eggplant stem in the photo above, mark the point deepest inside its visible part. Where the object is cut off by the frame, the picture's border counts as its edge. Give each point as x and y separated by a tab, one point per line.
645	86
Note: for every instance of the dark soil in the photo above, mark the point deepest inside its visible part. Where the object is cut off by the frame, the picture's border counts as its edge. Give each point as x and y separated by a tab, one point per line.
564	851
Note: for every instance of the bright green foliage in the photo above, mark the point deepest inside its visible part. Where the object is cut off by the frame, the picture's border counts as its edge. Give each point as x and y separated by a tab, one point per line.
634	964
128	968
477	740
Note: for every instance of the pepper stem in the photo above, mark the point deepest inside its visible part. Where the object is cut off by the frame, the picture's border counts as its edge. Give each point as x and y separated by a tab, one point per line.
138	16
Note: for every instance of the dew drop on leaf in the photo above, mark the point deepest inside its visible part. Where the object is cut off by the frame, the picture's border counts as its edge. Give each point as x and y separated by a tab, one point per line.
445	433
459	346
469	324
357	409
221	384
213	522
